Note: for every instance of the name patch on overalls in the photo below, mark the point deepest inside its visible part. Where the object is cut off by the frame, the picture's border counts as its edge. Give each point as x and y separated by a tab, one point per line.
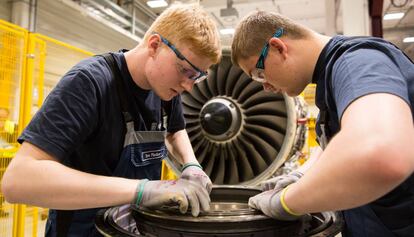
151	155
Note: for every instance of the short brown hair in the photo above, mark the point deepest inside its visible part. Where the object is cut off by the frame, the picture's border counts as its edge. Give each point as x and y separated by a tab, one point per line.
191	25
256	28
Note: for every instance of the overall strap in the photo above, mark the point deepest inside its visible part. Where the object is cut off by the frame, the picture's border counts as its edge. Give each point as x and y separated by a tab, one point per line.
116	73
64	217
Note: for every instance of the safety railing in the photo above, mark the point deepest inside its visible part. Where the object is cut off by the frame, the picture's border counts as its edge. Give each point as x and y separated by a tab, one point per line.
30	66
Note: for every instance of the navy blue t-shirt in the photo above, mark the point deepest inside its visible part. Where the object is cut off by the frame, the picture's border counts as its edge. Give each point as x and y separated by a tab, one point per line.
80	122
347	69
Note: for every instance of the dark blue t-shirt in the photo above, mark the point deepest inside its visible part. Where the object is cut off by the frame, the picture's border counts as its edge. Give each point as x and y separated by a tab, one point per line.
347	69
80	122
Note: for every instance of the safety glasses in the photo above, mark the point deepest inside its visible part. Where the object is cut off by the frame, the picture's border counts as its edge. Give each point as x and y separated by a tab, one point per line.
258	72
197	75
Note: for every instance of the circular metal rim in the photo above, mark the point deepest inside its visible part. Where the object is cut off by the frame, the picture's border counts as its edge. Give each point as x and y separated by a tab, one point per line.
214	218
104	227
325	223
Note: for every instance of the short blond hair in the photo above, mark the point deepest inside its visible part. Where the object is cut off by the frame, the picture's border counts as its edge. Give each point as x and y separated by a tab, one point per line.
256	28
189	25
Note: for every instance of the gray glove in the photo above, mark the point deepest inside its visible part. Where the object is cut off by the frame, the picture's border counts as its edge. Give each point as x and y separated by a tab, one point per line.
281	181
269	203
194	172
180	192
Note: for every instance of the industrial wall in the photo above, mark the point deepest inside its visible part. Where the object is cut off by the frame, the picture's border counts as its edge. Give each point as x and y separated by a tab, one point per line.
67	22
5	10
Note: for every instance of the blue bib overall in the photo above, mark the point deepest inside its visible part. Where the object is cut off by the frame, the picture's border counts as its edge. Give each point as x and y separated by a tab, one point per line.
141	158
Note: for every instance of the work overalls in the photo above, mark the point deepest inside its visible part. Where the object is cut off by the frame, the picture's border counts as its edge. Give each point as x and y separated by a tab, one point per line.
141	158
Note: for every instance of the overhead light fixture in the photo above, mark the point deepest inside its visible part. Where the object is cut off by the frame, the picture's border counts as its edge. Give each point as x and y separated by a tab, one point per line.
393	16
229	11
408	40
157	3
227	31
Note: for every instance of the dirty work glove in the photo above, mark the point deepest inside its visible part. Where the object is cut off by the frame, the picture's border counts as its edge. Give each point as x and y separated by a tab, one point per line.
194	172
281	181
181	192
270	203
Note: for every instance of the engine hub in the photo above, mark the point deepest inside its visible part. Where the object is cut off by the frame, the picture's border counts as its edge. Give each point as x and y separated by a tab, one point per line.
220	119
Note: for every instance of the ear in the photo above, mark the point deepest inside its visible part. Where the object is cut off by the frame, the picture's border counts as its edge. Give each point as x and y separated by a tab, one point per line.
278	45
153	43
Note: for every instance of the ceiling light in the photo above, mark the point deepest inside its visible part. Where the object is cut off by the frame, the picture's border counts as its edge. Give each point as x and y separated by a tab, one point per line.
227	31
393	16
157	3
408	40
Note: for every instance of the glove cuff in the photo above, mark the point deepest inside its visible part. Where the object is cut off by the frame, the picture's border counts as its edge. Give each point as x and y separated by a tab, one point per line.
285	207
297	174
140	191
185	166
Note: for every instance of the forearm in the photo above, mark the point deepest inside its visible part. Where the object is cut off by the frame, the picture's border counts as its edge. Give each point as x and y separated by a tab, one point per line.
47	183
180	146
311	161
344	178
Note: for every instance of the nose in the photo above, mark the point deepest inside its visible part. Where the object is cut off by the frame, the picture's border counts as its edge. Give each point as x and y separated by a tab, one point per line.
187	84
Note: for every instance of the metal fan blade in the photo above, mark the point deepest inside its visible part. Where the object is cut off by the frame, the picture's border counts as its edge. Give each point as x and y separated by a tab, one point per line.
212	81
193	130
196	135
219	167
243	81
202	151
203	88
255	159
197	142
222	73
251	89
272	137
190	111
209	163
270	108
232	173
269	121
265	149
198	96
192	121
244	168
262	97
191	101
234	75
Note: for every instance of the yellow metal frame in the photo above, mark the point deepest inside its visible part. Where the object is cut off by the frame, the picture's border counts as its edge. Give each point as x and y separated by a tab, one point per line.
46	38
27	70
6	26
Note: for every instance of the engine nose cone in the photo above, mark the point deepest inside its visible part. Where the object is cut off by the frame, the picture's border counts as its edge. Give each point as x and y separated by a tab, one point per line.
220	119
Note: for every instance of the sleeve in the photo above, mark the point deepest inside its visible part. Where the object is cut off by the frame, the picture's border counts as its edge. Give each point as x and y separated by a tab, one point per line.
362	72
68	115
174	110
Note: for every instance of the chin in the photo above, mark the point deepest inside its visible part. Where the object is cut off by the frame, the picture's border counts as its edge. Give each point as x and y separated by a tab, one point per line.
167	97
292	94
